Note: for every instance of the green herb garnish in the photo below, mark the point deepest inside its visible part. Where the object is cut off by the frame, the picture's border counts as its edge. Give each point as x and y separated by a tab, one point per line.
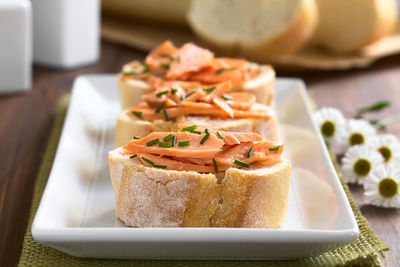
206	131
173	91
196	132
250	152
221	70
147	160
183	97
191	93
168	137
219	135
184	143
204	138
209	90
162	93
133	156
166	115
152	142
164	66
215	165
162	144
131	72
189	128
226	97
160	166
145	67
136	137
179	59
274	148
241	163
137	113
169	56
173	141
160	108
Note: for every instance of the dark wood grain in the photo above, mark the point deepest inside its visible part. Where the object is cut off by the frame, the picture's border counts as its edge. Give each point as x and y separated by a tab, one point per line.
26	119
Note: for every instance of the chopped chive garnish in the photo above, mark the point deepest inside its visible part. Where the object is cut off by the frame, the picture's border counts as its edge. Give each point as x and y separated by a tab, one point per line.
195	132
250	152
133	156
162	93
137	113
160	166
156	74
147	160
167	56
136	137
241	163
191	93
183	96
173	141
160	108
179	59
162	144
204	138
215	165
152	142
168	137
226	97
209	90
164	66
219	135
128	73
173	91
145	67
184	143
206	131
189	128
274	148
221	70
166	115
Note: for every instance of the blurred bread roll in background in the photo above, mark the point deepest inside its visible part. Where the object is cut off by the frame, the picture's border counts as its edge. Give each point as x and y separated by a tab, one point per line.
260	30
348	25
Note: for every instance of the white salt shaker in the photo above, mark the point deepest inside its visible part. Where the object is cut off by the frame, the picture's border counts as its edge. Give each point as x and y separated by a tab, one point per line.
15	45
66	32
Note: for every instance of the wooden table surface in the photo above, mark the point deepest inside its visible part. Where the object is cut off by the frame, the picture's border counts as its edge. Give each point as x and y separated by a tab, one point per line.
26	120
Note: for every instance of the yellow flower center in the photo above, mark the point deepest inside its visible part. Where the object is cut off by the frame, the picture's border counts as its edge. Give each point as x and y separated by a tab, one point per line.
356	139
386	153
388	187
362	167
328	129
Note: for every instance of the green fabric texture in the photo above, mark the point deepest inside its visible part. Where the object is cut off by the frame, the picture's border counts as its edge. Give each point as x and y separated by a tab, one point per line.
365	251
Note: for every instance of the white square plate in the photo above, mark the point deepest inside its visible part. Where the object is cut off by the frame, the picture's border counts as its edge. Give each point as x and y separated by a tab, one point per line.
77	215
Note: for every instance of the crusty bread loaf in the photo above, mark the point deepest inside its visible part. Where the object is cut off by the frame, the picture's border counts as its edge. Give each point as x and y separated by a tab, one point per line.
348	25
151	197
261	30
129	125
131	90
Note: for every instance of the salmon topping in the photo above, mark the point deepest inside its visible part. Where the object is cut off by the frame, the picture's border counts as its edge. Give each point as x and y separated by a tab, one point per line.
175	99
206	152
193	63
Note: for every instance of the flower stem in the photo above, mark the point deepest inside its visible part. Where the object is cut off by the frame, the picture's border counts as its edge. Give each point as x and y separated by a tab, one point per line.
385	122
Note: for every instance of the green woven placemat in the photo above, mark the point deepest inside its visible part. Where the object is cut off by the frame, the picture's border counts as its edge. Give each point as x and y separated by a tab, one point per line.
365	251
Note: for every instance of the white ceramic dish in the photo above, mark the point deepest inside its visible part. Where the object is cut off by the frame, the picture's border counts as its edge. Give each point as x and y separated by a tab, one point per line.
77	215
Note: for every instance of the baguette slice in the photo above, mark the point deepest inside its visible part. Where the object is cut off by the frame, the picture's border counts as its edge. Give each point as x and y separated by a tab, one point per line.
129	125
261	30
151	197
131	90
346	26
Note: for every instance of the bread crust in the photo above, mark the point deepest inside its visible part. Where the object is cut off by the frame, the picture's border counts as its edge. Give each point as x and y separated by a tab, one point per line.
151	197
129	126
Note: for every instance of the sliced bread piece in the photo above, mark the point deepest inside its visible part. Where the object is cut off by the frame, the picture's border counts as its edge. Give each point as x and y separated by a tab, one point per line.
261	30
348	25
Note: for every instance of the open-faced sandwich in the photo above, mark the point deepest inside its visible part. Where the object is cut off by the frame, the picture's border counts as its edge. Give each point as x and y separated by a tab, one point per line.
215	107
211	179
193	64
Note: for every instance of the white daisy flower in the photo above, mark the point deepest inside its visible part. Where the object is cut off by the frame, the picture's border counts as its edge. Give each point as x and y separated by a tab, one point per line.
331	123
358	162
388	145
357	132
382	186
